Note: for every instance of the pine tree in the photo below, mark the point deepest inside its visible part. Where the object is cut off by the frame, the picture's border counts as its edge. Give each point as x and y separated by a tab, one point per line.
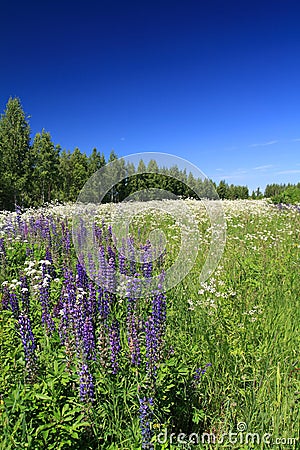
16	167
46	162
64	176
79	167
95	161
223	189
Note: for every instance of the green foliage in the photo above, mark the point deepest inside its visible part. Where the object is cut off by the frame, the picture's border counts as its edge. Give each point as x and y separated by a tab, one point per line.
45	168
290	195
15	170
32	174
274	189
244	320
232	192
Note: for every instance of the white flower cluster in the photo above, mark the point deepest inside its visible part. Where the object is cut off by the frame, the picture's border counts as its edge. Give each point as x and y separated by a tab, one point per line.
12	285
209	293
253	313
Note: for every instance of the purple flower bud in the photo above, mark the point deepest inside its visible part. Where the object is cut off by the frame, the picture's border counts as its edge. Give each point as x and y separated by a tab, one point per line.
28	342
115	345
146	418
87	391
44	289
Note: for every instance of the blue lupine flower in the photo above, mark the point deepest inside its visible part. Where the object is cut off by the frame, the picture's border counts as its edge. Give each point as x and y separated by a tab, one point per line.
29	344
86	389
88	338
14	304
146	418
115	345
200	371
2	249
25	294
44	289
151	349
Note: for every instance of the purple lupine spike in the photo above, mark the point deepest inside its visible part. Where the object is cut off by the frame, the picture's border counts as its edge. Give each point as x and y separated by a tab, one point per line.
146	419
44	289
68	298
159	316
48	255
133	340
132	323
111	253
29	344
25	294
111	275
115	345
14	304
82	279
91	305
122	263
2	249
151	349
103	303
86	389
88	338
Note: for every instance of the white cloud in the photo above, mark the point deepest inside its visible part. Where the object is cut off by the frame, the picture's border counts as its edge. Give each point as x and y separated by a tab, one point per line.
263	144
286	172
267	166
238	174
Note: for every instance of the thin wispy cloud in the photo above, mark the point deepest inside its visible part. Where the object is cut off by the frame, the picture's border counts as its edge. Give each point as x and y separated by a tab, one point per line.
265	167
287	172
295	140
263	144
236	174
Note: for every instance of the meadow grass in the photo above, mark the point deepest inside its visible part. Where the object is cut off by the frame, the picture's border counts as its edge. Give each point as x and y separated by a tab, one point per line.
243	321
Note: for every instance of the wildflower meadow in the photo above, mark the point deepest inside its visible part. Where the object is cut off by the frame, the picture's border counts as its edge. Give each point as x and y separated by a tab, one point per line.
94	355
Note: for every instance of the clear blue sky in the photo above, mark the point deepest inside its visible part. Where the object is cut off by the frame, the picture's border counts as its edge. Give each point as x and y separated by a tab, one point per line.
216	82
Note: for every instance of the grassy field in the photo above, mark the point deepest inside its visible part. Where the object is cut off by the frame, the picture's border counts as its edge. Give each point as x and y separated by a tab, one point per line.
198	366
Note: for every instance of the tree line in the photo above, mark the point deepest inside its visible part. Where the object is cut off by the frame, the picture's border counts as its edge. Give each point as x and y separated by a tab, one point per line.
36	171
